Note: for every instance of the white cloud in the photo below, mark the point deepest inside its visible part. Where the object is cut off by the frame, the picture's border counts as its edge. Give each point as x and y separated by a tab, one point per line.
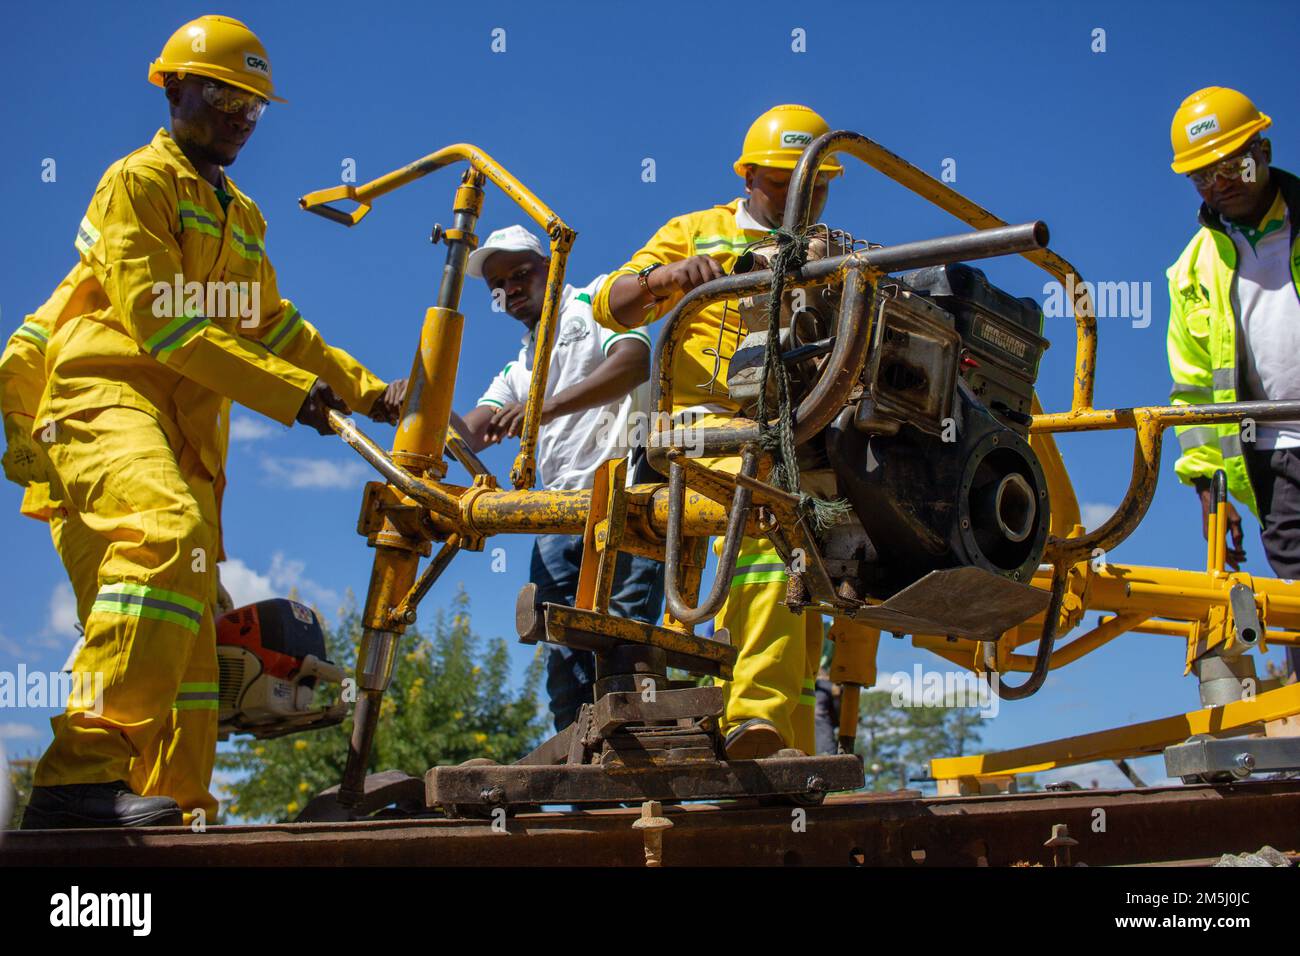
62	627
285	575
1095	513
63	609
316	472
15	731
245	585
243	428
10	646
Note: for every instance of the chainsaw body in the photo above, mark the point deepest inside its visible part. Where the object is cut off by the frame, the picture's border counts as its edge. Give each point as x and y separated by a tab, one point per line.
271	657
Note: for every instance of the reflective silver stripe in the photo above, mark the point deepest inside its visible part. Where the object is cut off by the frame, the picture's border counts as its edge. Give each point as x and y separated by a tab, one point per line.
87	235
286	330
1184	390
1230	445
1224	378
758	567
1197	437
172	340
143	601
204	220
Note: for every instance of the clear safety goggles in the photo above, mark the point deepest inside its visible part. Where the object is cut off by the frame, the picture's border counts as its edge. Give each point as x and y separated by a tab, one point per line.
230	99
1228	170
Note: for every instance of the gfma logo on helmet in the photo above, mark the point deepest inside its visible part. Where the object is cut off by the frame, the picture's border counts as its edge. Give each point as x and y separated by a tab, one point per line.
1203	127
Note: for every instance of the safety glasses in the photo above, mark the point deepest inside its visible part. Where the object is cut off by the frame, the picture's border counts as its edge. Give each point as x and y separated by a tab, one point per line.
229	99
1228	170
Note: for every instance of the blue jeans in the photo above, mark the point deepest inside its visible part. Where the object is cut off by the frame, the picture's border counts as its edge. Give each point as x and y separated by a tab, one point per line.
638	593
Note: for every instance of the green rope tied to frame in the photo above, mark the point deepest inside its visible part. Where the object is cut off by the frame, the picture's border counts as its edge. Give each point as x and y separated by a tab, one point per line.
778	439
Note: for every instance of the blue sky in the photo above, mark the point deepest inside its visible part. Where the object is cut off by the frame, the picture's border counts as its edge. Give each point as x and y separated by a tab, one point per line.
1038	124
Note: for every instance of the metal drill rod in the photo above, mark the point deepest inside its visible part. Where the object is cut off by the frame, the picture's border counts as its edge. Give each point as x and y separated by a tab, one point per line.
421	438
429	495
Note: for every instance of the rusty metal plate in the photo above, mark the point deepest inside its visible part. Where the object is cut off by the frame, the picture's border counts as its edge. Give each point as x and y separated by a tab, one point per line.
967	602
531	784
616	709
593	631
381	790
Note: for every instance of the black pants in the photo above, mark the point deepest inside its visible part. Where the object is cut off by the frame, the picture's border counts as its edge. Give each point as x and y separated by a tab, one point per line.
1275	478
826	718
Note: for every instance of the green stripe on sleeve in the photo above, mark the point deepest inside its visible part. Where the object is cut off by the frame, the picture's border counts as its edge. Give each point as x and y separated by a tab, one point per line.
32	333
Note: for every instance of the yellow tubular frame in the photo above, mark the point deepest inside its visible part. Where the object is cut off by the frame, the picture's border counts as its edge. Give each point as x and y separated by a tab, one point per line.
561	237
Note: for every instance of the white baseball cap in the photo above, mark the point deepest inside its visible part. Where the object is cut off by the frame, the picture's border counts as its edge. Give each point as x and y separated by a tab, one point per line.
509	239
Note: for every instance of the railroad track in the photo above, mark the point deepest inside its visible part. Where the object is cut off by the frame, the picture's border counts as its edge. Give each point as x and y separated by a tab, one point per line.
1179	824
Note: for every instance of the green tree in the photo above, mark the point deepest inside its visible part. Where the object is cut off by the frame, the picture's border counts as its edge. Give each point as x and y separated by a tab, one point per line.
881	727
450	700
21	772
896	743
932	732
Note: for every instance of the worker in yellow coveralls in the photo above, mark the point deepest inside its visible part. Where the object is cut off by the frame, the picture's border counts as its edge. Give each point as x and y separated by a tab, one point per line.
770	701
171	313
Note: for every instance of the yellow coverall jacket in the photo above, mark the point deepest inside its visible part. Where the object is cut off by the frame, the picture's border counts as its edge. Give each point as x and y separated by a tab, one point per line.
171	313
776	670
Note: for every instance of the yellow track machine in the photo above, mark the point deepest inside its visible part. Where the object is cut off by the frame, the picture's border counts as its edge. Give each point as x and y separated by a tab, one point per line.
930	498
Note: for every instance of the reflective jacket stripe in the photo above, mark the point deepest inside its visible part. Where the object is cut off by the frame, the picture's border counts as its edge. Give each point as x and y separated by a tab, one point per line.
284	331
33	333
174	334
196	217
87	235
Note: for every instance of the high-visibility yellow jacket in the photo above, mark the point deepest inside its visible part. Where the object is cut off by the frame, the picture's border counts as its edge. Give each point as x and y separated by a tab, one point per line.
700	364
154	317
1204	348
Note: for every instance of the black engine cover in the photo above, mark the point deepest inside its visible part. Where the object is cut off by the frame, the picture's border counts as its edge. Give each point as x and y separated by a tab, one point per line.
926	503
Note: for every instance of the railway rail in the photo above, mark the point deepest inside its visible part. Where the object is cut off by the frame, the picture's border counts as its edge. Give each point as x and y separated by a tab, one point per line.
1186	825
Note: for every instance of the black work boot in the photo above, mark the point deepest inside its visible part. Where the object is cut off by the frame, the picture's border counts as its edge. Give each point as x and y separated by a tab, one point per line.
80	805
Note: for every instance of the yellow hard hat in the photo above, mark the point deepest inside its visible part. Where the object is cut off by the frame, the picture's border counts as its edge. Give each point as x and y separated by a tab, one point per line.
221	48
779	136
1210	124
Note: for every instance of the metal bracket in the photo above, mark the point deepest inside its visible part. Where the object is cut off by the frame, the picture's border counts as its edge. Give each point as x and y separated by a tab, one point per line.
1210	760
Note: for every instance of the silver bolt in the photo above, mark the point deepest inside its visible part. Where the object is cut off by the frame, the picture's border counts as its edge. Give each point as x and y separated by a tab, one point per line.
1245	763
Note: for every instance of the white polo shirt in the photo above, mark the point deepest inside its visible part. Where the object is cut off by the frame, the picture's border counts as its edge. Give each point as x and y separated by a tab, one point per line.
571	447
1266	301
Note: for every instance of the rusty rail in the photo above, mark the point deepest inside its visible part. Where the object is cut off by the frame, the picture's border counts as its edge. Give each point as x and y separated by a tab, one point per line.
898	829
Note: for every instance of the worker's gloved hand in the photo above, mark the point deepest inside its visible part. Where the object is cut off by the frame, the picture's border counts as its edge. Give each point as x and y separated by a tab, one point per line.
315	410
1233	552
24	461
388	406
683	276
508	422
